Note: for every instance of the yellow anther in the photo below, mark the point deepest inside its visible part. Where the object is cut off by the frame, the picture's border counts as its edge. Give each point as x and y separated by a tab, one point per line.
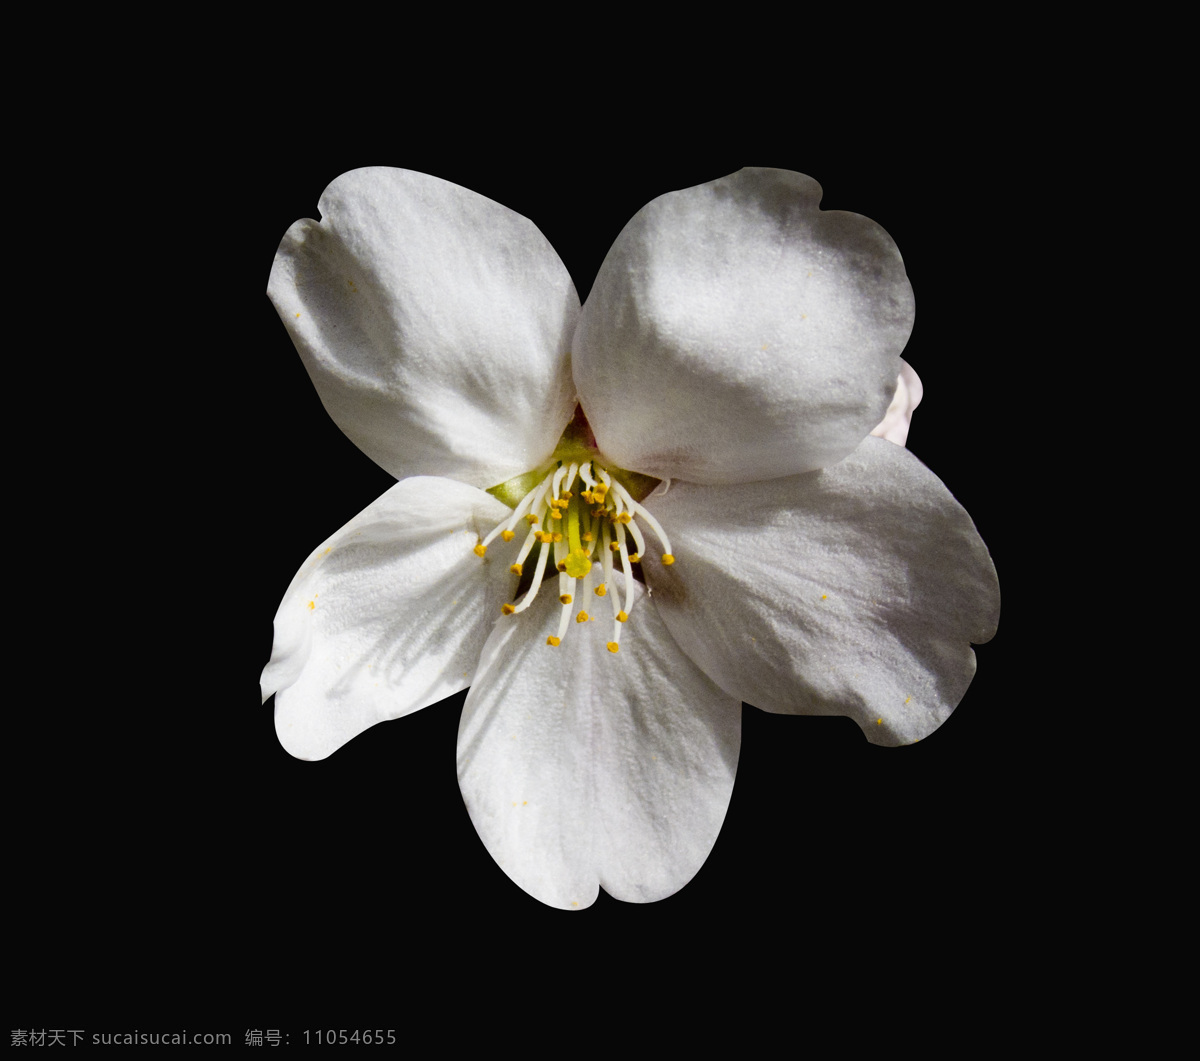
601	589
634	557
588	496
577	564
555	514
531	519
615	546
624	517
561	565
507	609
582	617
508	535
556	536
555	641
480	549
587	536
613	647
667	559
516	569
564	598
567	495
622	616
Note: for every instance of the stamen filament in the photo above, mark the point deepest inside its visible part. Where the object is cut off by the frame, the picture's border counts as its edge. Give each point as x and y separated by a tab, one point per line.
625	566
641	512
606	554
638	540
566	583
527	544
564	620
538	571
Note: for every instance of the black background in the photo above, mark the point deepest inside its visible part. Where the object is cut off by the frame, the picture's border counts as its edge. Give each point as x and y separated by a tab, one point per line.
169	825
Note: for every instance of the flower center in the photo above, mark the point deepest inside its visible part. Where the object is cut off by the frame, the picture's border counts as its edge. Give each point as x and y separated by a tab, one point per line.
582	515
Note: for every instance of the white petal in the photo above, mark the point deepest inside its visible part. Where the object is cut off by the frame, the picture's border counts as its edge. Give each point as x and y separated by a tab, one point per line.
434	324
736	332
854	591
583	768
898	418
386	617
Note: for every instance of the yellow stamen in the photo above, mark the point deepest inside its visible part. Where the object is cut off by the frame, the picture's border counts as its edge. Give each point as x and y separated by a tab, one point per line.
667	559
507	609
507	535
601	590
554	641
480	549
564	598
622	617
613	647
582	617
516	569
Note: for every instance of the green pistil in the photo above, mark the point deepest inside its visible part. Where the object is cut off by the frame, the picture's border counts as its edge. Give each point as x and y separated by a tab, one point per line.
573	523
578	562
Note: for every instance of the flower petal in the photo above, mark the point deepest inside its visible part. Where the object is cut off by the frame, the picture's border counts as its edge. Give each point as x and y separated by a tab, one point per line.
582	768
386	617
851	591
434	324
898	418
735	332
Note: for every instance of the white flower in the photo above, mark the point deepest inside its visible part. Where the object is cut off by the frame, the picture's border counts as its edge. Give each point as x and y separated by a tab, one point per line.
739	345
